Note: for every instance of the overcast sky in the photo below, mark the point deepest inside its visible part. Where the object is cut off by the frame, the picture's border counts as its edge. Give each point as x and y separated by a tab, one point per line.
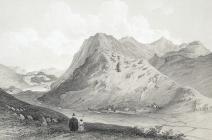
38	34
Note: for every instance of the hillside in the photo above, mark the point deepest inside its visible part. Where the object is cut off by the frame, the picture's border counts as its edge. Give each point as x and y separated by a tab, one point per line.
26	111
104	76
137	49
194	72
191	50
9	77
162	46
20	119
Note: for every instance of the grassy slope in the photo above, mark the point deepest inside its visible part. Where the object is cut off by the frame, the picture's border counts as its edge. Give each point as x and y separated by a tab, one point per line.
13	105
12	127
193	72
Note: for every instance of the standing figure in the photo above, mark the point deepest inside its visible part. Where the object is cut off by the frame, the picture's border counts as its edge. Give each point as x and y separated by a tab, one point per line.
81	125
73	123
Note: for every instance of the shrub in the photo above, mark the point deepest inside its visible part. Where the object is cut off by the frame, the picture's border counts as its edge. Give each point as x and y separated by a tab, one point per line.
152	132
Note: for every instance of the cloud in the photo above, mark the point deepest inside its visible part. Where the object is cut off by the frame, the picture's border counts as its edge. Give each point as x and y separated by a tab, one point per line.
112	18
28	50
59	16
62	32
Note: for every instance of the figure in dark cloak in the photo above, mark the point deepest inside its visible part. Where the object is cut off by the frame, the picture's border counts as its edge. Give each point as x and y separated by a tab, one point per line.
73	123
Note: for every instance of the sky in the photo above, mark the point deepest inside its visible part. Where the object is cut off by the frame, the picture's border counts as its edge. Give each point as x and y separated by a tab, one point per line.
37	34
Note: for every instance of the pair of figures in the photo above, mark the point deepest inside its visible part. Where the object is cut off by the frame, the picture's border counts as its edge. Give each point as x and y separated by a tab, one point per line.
75	125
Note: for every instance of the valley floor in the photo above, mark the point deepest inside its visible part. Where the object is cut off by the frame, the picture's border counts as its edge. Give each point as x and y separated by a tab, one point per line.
12	128
195	125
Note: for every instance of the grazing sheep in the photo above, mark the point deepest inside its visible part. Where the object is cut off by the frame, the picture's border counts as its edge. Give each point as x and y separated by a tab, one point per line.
48	120
55	120
15	114
22	117
44	121
29	117
155	106
8	106
13	108
126	109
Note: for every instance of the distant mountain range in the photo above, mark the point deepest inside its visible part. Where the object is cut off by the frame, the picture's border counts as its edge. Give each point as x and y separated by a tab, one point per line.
136	49
194	72
15	79
8	77
116	74
188	64
162	46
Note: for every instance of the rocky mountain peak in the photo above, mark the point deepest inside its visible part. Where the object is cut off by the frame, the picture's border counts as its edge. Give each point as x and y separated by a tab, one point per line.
163	41
196	43
128	39
108	73
195	49
163	46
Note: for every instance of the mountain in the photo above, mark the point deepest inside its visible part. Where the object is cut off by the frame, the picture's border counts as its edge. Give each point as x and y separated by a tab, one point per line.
9	77
15	79
13	90
163	46
194	72
39	81
52	71
191	50
18	70
136	48
103	75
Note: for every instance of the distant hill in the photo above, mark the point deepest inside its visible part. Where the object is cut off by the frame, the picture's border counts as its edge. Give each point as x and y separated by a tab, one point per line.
52	71
136	49
8	77
190	50
193	72
15	79
39	81
162	46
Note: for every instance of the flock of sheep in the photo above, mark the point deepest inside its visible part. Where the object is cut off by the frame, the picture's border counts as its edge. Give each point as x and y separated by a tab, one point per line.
21	116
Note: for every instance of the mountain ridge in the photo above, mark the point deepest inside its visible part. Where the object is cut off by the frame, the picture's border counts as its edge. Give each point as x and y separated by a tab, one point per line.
193	72
103	74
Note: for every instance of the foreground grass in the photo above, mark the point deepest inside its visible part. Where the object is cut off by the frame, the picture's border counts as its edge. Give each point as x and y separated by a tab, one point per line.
98	131
11	128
